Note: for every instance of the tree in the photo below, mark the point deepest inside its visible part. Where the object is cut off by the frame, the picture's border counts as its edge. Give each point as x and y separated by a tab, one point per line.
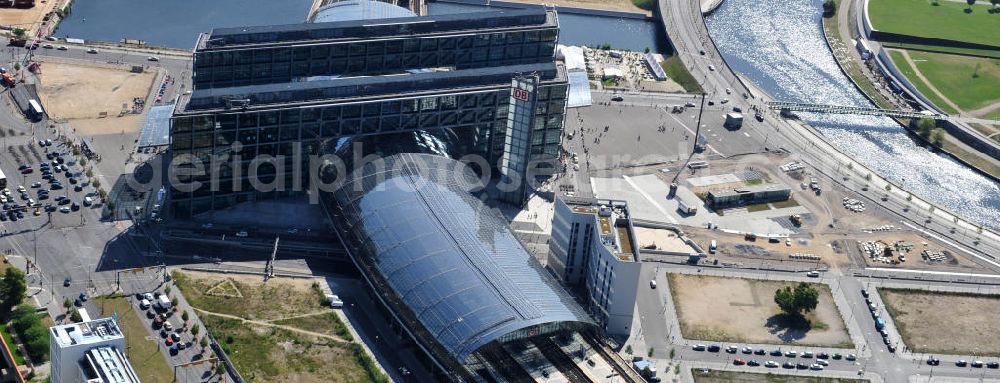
195	329
185	316
67	304
19	32
203	342
829	8
925	126
802	299
628	349
75	316
12	288
970	2
938	137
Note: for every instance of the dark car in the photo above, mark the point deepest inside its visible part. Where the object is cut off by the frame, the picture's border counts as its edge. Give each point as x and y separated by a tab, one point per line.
50	208
993	365
788	365
714	348
617	98
72	180
175	337
27	171
753	363
84	297
759	351
65	201
933	361
56	186
150	314
164	334
777	352
822	355
78	188
864	293
977	364
801	366
67	281
77	302
74	207
961	363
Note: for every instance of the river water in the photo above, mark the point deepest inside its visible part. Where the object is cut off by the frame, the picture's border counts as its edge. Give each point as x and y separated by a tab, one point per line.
780	46
173	23
176	23
578	29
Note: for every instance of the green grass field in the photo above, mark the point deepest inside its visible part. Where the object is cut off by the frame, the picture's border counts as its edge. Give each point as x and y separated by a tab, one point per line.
144	354
910	73
969	82
676	71
947	20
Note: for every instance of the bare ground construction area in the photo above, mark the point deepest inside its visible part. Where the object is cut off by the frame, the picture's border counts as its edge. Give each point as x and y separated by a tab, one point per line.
277	331
27	18
83	92
743	310
943	322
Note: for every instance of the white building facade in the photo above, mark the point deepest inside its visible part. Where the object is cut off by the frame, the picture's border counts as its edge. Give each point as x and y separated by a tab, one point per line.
89	352
593	252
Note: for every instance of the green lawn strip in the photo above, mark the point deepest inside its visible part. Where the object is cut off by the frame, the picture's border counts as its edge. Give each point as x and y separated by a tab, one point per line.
677	72
948	20
18	357
969	82
144	354
790	202
943	49
911	75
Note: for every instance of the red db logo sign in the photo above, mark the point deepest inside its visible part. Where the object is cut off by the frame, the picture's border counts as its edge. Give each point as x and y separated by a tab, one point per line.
520	94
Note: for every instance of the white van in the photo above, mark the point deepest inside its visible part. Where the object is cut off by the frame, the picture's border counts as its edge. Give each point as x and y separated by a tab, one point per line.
713	247
87	201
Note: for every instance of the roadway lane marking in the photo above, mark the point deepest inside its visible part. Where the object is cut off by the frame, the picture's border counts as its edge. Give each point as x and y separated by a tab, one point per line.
746	134
949	243
648	198
933	272
692	133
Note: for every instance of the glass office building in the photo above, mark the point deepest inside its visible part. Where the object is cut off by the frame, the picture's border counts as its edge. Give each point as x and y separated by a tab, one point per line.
265	99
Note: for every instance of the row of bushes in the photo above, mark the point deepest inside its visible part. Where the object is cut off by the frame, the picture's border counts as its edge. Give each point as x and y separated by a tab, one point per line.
369	365
28	325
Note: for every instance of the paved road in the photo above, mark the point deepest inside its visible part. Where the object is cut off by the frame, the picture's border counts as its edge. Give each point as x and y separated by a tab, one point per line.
686	28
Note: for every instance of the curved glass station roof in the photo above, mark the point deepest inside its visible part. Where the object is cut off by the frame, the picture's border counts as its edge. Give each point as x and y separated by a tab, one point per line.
347	10
449	259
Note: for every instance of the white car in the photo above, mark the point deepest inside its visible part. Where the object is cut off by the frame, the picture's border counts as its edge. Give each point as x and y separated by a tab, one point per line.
144	304
47	46
92	51
153	58
711	68
62	48
147	297
242	234
813	274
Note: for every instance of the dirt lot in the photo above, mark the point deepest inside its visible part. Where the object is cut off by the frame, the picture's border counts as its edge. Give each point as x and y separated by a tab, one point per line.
714	376
27	18
71	91
945	323
743	310
247	296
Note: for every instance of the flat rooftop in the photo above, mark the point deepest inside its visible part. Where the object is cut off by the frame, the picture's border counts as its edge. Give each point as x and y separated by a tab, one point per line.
95	331
614	224
359	88
339	31
108	365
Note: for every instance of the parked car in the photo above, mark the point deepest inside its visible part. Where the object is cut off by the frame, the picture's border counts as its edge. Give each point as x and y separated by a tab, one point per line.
771	364
144	304
698	347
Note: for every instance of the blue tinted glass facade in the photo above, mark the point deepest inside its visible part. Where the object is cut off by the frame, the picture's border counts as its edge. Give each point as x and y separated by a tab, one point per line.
450	264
